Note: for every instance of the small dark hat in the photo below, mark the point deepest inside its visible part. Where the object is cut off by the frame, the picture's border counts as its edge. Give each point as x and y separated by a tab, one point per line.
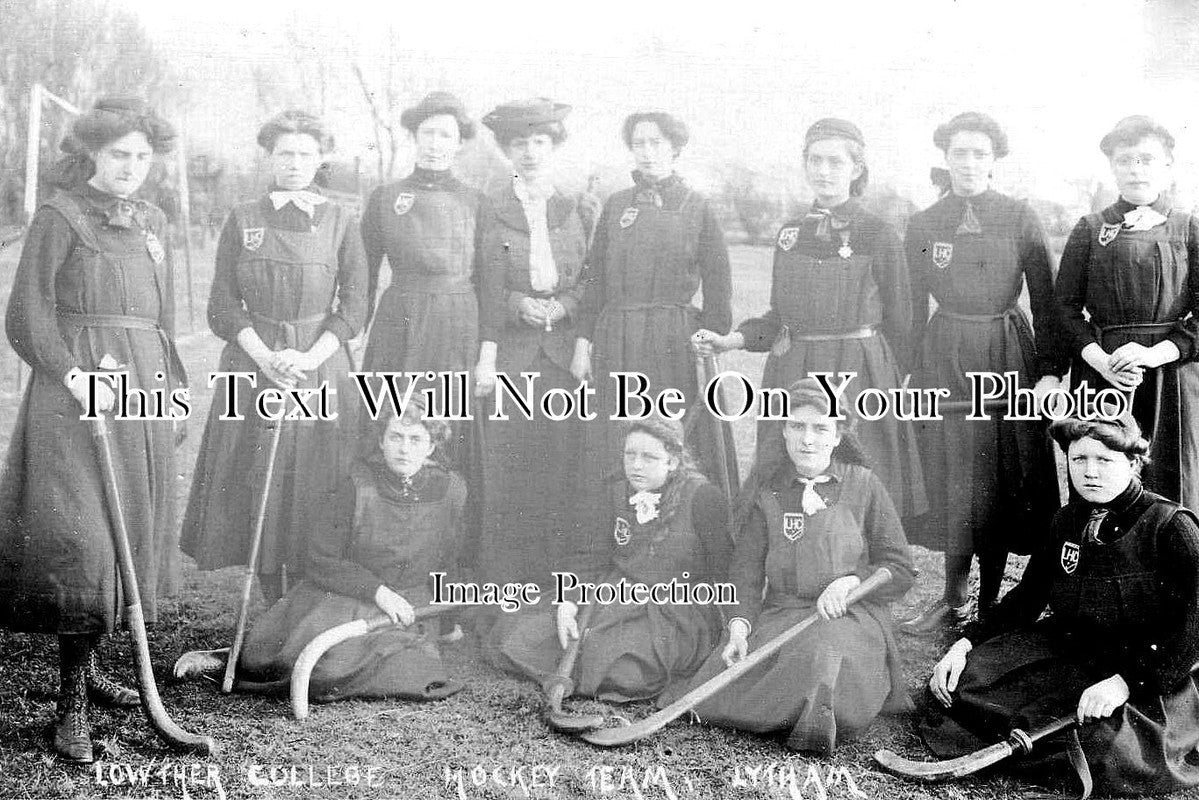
519	116
833	128
436	103
972	121
1133	129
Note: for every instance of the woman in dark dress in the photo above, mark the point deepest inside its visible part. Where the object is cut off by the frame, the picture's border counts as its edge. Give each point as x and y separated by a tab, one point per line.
973	251
840	301
428	227
1134	269
1118	570
669	523
533	254
93	292
399	518
656	244
818	524
288	294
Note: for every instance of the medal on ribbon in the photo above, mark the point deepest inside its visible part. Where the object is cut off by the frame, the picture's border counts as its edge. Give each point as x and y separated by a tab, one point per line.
845	251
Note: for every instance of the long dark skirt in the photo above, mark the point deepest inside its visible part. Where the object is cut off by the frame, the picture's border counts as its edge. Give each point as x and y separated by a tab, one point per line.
392	662
1028	678
822	688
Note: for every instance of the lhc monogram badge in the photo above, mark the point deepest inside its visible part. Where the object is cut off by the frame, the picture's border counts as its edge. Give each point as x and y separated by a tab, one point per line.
942	254
787	238
628	217
251	238
1108	234
1070	554
621	532
403	203
792	526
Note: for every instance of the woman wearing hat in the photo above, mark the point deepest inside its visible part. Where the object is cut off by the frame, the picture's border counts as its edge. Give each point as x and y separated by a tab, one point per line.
656	244
1133	268
1118	569
428	227
288	293
92	292
818	523
974	251
840	301
533	253
668	523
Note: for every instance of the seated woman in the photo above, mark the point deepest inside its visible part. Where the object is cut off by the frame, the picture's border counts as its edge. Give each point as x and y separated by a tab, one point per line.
1119	571
670	523
818	524
400	519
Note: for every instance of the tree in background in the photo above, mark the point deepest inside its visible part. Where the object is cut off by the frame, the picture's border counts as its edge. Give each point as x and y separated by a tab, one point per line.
78	49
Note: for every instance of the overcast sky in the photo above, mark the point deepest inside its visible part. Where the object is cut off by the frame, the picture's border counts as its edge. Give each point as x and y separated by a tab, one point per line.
748	80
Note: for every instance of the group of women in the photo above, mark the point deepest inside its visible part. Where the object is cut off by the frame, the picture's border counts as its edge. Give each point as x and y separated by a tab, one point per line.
358	512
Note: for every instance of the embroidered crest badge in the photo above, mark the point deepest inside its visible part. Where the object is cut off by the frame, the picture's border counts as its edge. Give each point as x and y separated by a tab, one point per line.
628	217
154	248
1070	554
942	254
251	238
404	202
787	238
1108	234
621	531
793	526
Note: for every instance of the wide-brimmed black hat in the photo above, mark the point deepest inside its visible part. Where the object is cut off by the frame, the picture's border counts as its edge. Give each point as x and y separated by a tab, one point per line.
436	103
972	121
519	116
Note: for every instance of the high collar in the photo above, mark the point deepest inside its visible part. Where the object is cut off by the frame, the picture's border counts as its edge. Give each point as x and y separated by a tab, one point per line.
423	485
1161	205
312	187
1122	502
432	177
846	211
644	181
788	477
118	212
980	200
510	210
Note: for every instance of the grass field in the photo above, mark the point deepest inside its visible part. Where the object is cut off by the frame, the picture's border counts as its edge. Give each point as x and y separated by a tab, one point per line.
406	750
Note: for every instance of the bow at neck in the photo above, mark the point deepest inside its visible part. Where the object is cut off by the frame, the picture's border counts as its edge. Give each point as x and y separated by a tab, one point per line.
646	505
831	219
811	500
652	190
302	199
118	212
1143	218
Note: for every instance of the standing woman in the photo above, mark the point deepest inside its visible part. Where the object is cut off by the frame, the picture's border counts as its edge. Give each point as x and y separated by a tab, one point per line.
840	301
973	251
1133	269
533	253
427	225
288	293
656	244
93	292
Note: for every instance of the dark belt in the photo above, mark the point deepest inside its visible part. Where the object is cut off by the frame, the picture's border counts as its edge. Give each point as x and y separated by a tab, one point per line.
1143	327
288	328
174	364
976	318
